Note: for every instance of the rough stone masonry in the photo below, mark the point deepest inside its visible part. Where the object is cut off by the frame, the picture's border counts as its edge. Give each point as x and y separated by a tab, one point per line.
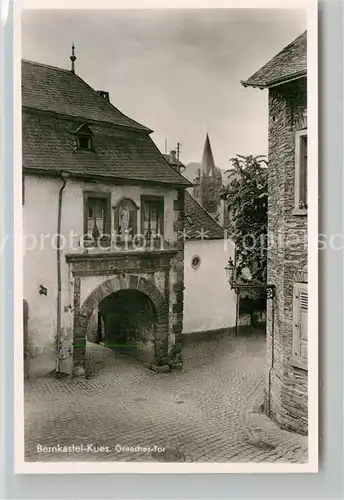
286	385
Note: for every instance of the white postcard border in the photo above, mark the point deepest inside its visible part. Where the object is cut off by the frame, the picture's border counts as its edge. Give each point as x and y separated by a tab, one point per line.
23	467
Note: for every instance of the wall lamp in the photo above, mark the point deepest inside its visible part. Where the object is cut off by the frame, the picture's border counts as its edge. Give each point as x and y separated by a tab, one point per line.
231	271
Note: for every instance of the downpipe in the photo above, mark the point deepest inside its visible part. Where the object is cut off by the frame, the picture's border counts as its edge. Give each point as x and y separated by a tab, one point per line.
64	178
237	305
272	353
237	313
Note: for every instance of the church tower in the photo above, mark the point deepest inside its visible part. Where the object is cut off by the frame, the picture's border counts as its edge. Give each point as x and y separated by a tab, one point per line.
207	182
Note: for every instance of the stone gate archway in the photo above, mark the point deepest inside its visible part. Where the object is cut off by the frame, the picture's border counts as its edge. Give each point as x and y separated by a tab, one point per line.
129	321
108	287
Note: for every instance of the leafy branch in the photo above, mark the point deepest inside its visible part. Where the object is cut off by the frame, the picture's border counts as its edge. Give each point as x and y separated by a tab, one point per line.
247	200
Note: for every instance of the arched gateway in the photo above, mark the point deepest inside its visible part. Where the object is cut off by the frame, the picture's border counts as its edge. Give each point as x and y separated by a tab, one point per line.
112	286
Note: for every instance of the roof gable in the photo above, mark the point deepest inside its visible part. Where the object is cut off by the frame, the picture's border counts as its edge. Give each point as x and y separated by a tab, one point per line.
290	63
58	90
83	129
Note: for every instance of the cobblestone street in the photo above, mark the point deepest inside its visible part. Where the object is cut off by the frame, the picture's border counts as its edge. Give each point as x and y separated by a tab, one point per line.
195	414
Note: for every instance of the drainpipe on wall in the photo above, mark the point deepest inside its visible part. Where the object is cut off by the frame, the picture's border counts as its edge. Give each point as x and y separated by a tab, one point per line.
237	305
64	177
272	353
237	313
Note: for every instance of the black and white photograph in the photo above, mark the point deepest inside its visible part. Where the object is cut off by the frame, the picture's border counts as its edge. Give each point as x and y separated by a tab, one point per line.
167	186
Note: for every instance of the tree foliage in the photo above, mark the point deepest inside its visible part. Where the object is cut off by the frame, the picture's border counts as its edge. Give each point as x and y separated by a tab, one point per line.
247	198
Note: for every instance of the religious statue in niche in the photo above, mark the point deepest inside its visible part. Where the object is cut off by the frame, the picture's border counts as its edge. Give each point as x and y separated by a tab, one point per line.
125	218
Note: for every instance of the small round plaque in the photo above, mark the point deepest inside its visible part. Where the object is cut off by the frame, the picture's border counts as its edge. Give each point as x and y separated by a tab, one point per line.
195	261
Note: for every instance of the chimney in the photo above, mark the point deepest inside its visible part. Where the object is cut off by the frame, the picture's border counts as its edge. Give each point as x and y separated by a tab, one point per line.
173	156
104	94
174	162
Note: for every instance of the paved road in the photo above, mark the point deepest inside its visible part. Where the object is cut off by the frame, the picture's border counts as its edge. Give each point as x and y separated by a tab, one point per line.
192	415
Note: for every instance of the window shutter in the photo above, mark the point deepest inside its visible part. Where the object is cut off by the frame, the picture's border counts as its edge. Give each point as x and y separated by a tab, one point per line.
303	324
152	215
301	169
161	213
107	217
133	221
300	323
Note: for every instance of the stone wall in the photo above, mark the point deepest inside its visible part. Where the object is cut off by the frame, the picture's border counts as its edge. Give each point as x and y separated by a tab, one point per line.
139	272
286	384
176	293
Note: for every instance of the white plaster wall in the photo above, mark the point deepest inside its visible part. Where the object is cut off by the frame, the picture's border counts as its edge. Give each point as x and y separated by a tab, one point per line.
39	225
209	303
40	266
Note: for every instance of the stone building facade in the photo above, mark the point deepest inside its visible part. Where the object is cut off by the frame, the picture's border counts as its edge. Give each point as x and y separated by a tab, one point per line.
285	77
103	215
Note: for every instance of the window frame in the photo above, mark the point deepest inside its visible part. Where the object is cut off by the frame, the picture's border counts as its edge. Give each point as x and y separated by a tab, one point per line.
161	211
299	134
96	195
296	360
84	135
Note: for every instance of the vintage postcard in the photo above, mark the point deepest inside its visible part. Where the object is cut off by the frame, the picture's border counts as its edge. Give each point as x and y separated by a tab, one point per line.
166	224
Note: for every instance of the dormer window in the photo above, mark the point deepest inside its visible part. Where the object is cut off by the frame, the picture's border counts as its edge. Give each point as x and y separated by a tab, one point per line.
84	142
83	136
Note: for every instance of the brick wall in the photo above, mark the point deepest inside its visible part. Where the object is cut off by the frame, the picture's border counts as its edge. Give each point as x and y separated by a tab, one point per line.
286	385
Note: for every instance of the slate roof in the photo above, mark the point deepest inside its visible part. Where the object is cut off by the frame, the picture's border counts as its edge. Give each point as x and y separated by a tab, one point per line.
48	146
198	221
58	90
173	161
290	63
56	103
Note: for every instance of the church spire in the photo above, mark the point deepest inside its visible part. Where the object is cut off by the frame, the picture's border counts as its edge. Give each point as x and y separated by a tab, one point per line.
207	164
206	190
73	59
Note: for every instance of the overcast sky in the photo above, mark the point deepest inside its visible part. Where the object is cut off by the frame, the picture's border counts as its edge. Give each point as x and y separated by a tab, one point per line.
176	71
